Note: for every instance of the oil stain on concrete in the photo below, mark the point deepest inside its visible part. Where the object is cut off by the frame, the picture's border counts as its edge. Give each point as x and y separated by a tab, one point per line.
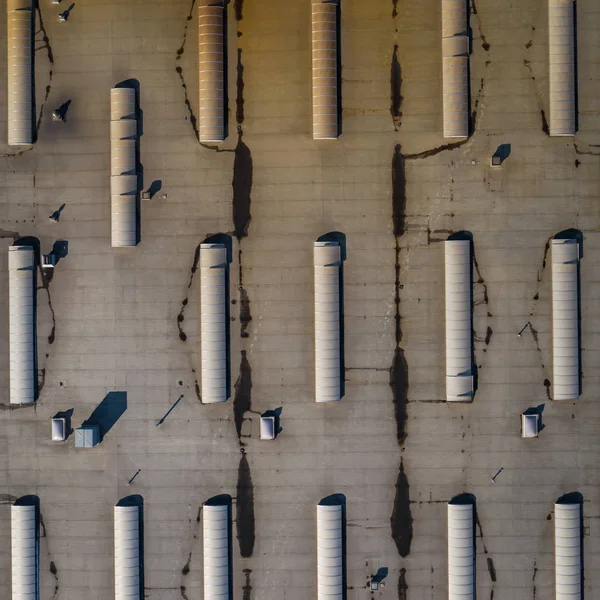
245	508
401	520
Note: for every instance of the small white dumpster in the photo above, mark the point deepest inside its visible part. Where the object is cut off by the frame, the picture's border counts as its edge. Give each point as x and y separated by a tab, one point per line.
267	428
530	425
59	429
87	436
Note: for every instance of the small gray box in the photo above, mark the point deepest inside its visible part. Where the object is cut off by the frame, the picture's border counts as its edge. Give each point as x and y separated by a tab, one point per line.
87	436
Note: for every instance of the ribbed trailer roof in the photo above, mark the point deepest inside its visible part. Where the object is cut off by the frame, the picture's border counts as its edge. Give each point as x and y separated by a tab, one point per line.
561	44
24	552
330	552
565	318
325	69
123	167
327	264
127	553
216	537
461	551
22	334
567	552
20	72
213	322
459	331
211	70
455	68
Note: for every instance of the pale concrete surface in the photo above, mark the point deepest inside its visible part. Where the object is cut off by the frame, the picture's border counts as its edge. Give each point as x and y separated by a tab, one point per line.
116	310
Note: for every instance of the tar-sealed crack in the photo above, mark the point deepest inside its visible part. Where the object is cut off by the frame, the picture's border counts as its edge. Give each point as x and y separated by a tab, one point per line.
401	520
491	569
46	277
402	585
245	508
185	29
587	152
54	572
247	589
394	9
484	44
545	127
245	316
186	567
192	116
185	301
45	46
398	191
535	570
242	399
488	335
399	385
239	98
396	87
238	9
242	188
180	319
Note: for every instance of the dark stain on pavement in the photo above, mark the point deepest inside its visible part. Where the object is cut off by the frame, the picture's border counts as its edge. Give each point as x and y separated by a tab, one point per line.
396	87
242	188
242	400
187	20
488	335
399	385
402	585
398	192
245	316
239	99
238	8
247	588
545	127
245	508
491	569
401	520
192	116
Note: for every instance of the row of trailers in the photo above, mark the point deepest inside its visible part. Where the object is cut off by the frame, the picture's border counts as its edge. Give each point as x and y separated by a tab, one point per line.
460	366
331	549
328	315
326	69
214	322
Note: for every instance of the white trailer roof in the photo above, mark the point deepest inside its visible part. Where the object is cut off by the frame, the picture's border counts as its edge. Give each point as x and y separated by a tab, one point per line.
461	551
20	72
327	264
211	71
565	318
567	553
123	168
122	104
22	327
459	331
330	552
123	204
127	553
324	69
215	530
213	322
561	44
455	68
24	552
